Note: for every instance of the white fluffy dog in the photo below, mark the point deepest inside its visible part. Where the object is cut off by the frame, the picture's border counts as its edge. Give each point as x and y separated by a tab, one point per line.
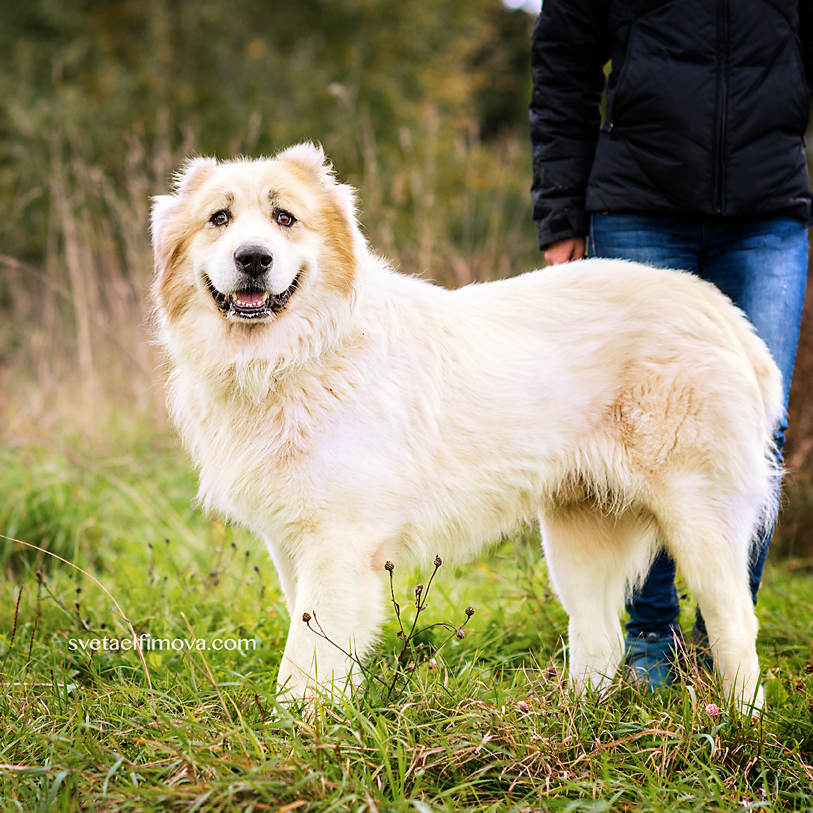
349	415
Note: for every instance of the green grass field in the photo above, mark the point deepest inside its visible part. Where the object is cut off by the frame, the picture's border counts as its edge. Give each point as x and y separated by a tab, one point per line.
423	107
486	724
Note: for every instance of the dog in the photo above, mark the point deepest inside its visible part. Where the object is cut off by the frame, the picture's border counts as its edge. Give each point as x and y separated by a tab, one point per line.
351	415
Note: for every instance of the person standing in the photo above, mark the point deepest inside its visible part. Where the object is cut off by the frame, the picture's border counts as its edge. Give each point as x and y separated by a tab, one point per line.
699	164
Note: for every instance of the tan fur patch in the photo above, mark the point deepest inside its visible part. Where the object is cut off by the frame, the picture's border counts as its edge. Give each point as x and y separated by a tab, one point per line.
173	286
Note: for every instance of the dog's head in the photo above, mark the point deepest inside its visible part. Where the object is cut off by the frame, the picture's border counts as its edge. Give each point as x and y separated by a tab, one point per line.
243	246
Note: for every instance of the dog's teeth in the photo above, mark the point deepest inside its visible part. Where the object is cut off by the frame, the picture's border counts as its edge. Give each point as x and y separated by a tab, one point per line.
251	300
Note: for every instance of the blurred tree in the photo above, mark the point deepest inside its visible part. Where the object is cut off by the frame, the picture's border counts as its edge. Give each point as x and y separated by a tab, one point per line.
249	76
101	99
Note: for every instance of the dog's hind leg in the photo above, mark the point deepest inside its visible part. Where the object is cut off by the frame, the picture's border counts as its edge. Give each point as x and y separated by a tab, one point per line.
591	558
710	541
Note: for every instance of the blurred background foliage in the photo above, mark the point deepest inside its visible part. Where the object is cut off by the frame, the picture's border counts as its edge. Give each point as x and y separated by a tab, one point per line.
173	77
421	104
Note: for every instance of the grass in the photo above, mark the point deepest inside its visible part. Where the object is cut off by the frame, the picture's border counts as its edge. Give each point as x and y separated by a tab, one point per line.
489	725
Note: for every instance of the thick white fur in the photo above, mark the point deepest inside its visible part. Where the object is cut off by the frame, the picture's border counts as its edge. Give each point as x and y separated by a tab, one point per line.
379	417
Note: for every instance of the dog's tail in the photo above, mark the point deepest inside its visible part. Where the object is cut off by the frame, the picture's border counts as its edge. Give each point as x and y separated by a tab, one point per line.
769	381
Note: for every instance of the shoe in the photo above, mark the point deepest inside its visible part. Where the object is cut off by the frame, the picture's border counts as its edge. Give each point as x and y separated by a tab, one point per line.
701	650
651	659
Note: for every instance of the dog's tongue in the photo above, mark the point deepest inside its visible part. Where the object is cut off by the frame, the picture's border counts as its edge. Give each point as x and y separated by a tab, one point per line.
251	298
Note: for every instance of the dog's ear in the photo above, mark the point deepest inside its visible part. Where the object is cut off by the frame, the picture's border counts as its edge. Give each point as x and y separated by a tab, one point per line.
164	208
168	230
339	226
309	158
164	236
192	174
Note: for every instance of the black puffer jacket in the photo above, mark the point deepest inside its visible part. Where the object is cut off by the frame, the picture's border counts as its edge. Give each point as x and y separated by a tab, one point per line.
707	106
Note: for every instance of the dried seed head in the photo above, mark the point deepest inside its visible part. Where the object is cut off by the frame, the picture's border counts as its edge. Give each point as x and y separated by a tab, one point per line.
469	611
419	590
460	634
389	567
306	617
438	561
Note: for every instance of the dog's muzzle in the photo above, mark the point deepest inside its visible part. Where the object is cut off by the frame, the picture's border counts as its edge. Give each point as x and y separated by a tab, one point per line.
252	300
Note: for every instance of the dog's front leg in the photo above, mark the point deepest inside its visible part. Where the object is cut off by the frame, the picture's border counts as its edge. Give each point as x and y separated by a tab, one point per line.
334	620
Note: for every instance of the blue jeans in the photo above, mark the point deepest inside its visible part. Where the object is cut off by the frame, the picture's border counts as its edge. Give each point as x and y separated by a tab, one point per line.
761	265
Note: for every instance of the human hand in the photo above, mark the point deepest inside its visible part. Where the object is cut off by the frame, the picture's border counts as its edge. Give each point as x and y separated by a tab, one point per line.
563	251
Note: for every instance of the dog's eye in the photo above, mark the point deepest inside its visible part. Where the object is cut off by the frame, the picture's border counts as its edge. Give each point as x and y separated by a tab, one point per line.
220	218
284	218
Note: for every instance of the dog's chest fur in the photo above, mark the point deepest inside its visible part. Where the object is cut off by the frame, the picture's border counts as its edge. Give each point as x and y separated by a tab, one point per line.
251	453
327	451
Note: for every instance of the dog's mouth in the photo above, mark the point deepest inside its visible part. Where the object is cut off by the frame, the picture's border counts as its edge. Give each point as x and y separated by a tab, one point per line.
251	303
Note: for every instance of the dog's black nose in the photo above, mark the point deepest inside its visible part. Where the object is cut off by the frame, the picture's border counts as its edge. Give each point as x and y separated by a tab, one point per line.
254	260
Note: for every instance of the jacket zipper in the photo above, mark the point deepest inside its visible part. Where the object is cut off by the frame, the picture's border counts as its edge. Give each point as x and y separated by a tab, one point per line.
722	88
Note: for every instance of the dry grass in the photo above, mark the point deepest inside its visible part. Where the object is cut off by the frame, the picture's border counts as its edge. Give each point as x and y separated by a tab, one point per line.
76	338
